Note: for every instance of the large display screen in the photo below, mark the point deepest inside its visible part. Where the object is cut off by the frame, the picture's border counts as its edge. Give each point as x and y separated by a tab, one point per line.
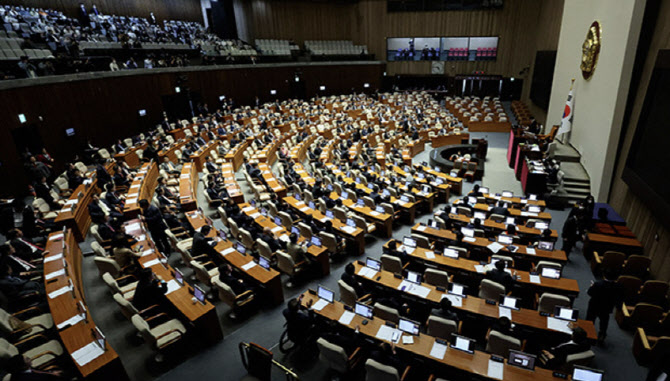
441	48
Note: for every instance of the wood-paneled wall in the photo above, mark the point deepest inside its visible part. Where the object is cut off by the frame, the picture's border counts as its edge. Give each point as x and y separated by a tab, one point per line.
106	109
519	25
637	214
297	20
162	9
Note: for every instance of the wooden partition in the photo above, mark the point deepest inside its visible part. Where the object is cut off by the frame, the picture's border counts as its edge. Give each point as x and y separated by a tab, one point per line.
62	269
103	107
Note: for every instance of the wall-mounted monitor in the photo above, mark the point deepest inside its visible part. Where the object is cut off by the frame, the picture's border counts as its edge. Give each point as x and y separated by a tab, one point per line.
483	48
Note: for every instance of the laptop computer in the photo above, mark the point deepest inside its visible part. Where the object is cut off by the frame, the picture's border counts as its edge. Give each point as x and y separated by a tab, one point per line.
509	302
565	313
363	310
545	245
462	343
521	359
582	373
408	326
551	272
414	277
373	264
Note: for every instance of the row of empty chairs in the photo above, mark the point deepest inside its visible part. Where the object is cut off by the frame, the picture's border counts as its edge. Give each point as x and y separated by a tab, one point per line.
337	47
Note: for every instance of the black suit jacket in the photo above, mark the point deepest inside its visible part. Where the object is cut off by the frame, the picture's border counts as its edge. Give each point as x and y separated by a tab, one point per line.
201	245
501	277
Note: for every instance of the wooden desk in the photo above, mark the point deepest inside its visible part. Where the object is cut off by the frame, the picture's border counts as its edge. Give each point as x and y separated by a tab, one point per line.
476	363
170	152
275	186
455	182
269	280
473	305
232	187
517	201
188	183
74	215
304	175
468	269
203	316
521	253
521	230
129	156
383	221
320	254
488	126
449	139
602	242
142	188
199	158
236	154
513	212
108	365
355	236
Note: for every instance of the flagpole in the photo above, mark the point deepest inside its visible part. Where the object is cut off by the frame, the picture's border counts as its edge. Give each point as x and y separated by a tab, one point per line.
563	140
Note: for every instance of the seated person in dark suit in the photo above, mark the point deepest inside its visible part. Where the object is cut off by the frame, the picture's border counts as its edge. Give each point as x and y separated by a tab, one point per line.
392	249
203	244
499	208
111	198
475	191
386	354
211	165
267	237
236	284
23	247
150	290
555	357
445	311
499	275
349	277
504	326
299	323
20	369
13	286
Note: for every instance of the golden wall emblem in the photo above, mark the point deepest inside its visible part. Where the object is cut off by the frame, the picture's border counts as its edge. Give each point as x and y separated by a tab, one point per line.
591	50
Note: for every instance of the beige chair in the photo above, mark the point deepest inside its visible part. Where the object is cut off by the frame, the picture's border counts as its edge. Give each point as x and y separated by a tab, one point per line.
336	358
40	355
286	220
547	264
107	265
160	336
35	322
98	250
582	358
305	230
128	309
40	205
376	371
288	266
499	344
264	249
441	327
508	260
391	264
422	241
548	302
223	216
245	238
204	272
233	229
127	290
369	228
490	290
237	303
330	242
436	277
386	313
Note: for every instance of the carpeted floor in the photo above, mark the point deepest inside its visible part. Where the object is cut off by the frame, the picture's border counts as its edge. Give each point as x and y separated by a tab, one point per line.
222	361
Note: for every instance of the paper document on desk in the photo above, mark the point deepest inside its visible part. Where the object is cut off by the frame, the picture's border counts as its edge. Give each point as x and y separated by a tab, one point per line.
495	247
480	269
255	215
506	312
495	370
141	237
172	286
71	321
430	255
529	214
227	251
438	350
304	209
56	237
53	258
455	300
87	353
385	333
407	340
138	185
421	228
367	272
375	213
54	274
147	252
71	202
349	229
134	226
558	325
530	250
248	266
152	262
59	292
276	229
469	239
346	318
419	291
248	209
535	279
318	306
